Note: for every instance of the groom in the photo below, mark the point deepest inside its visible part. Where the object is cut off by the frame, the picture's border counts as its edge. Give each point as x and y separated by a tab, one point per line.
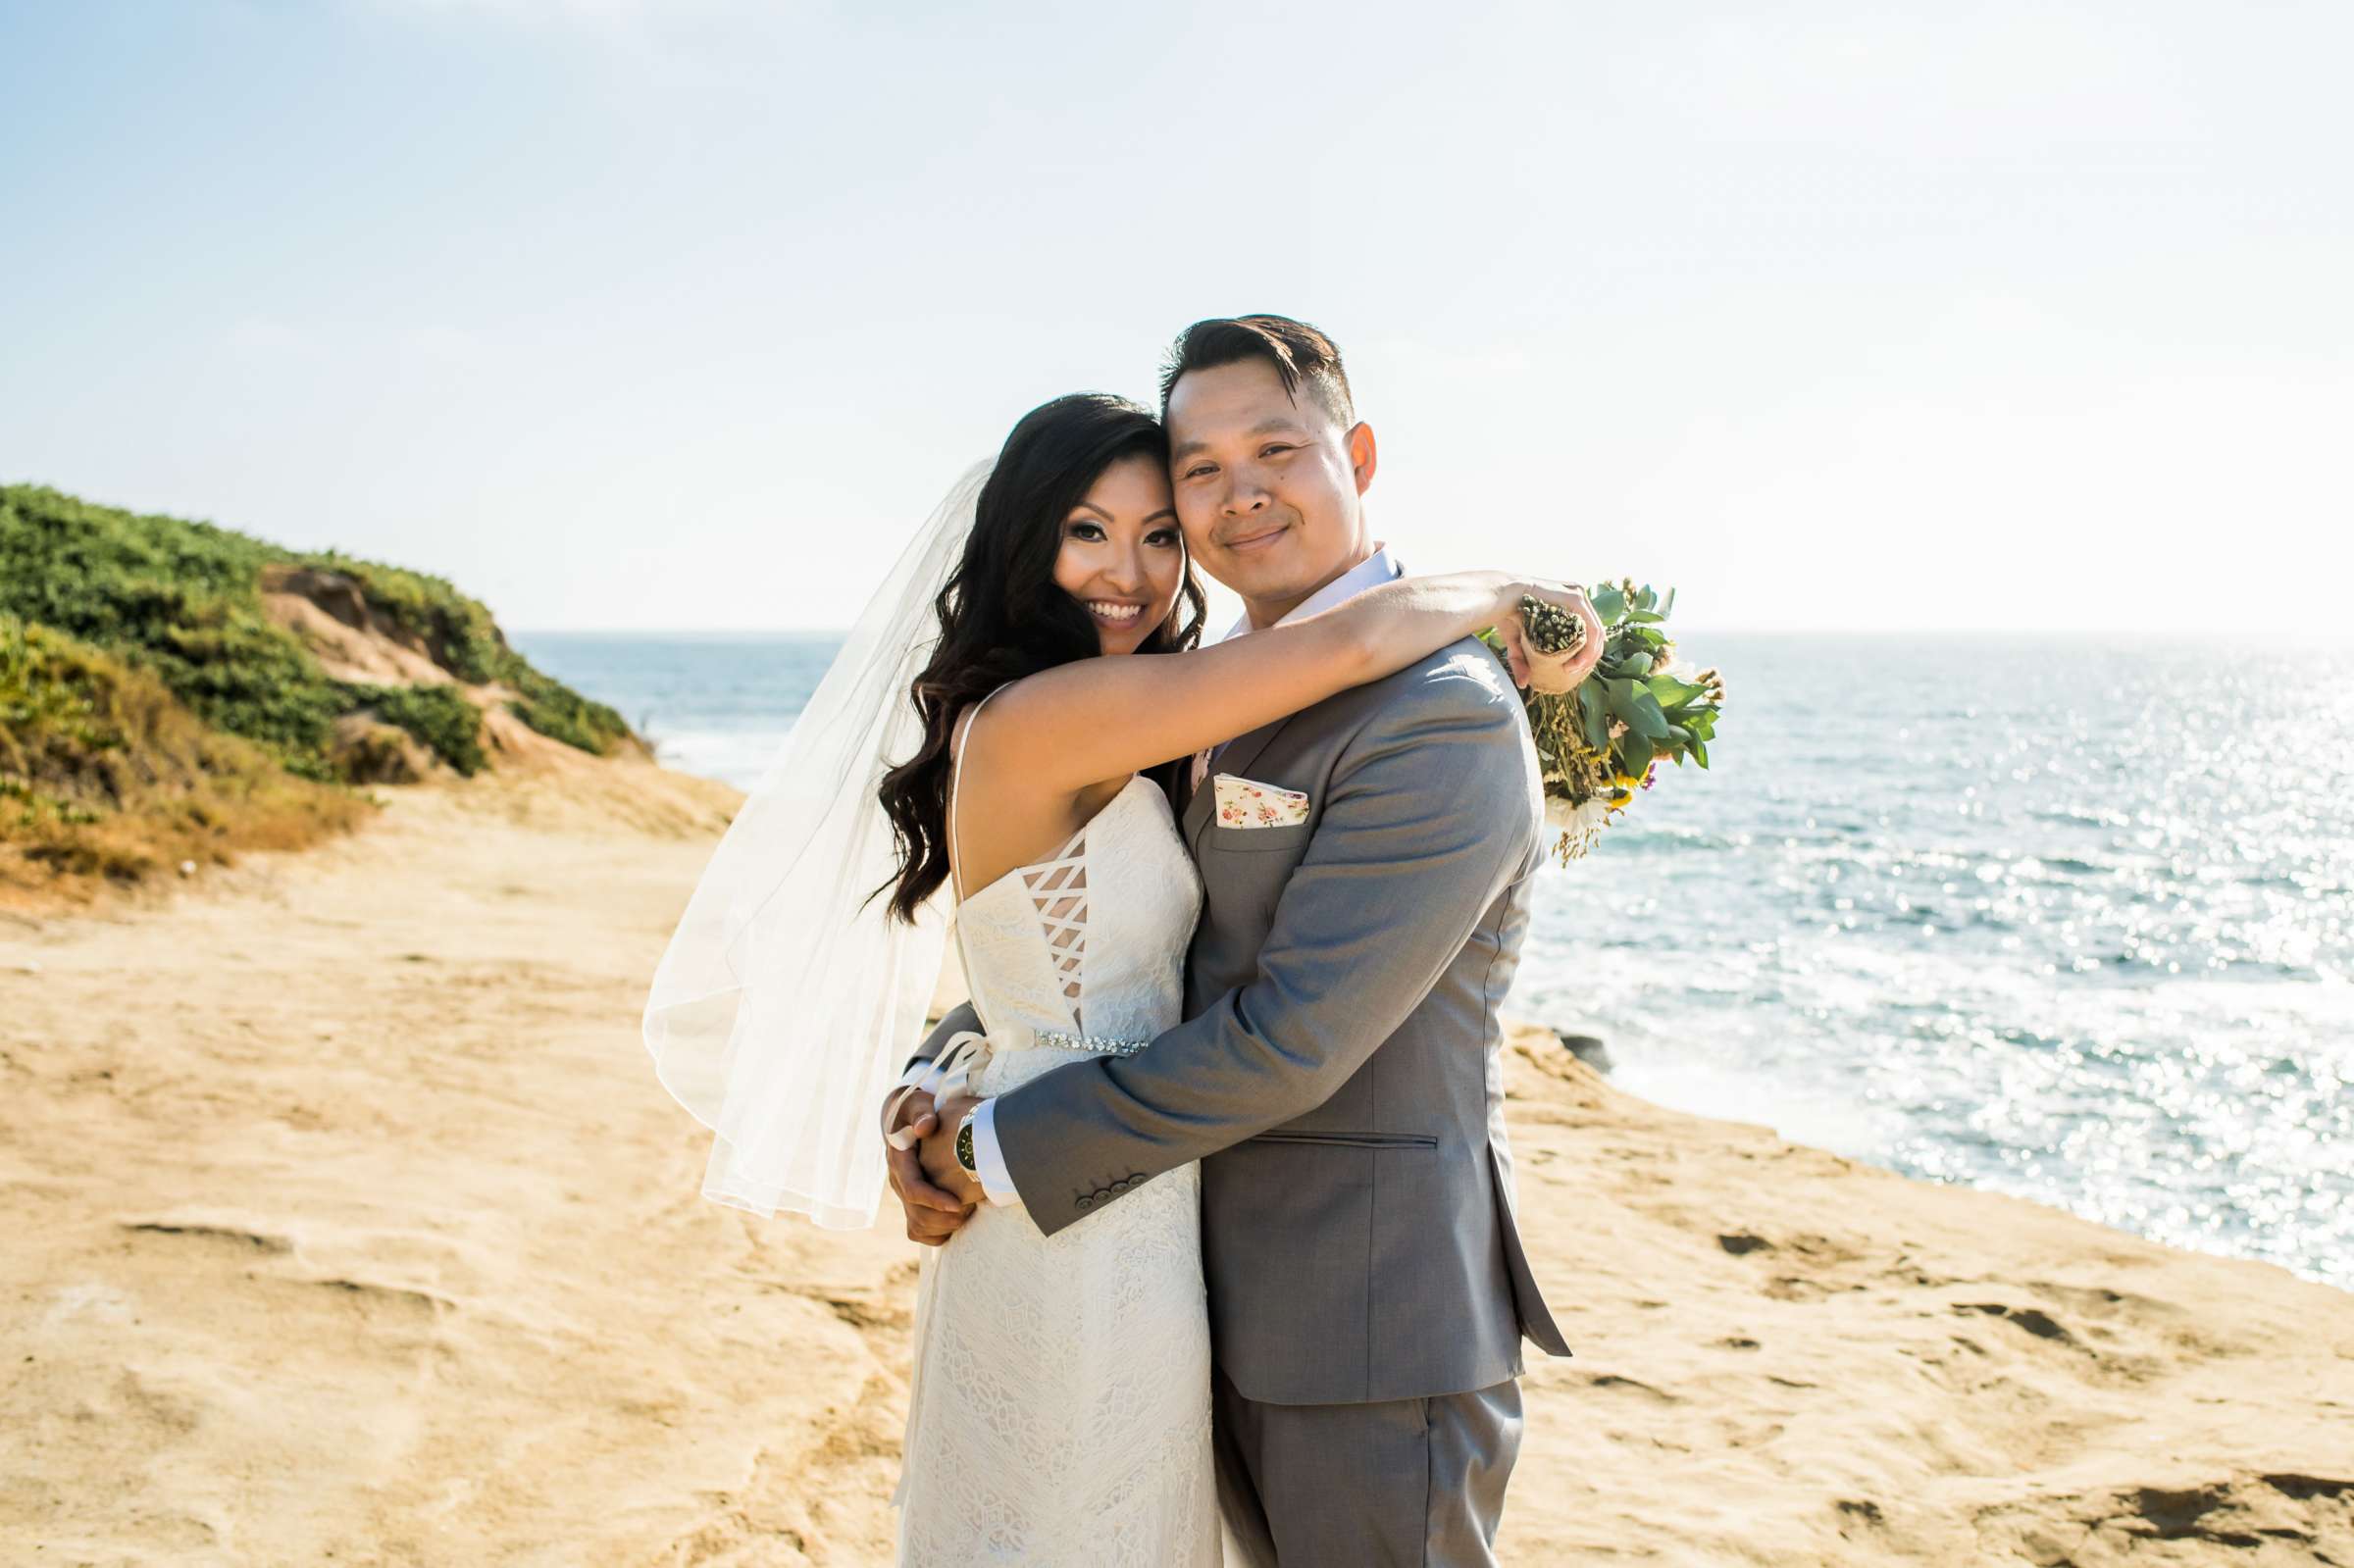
1336	1074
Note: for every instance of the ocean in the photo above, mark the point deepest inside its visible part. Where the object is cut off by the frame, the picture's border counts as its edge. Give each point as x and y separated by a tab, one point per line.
2070	918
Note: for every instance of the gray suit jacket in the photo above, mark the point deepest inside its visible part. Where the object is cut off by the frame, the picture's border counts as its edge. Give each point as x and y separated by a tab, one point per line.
1337	1072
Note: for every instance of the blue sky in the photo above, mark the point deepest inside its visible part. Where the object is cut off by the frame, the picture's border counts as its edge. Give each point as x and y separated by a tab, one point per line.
682	315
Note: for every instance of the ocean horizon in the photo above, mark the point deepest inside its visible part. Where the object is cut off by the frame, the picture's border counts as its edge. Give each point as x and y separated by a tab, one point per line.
2064	916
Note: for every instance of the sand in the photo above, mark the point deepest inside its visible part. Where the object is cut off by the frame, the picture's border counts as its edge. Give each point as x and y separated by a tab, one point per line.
345	1222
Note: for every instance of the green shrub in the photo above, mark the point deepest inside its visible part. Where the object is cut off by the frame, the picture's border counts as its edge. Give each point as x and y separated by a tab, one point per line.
106	776
439	716
183	600
557	711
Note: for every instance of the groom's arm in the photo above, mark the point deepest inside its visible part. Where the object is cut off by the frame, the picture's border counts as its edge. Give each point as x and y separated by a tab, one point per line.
1429	816
958	1018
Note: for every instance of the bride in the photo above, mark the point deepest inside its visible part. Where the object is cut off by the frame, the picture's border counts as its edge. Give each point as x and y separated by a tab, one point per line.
984	736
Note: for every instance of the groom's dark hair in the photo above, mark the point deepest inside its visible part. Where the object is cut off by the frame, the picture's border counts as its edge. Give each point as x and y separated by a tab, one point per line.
1300	354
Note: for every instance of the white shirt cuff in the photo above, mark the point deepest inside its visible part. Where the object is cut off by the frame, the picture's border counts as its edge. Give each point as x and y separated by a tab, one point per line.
996	1182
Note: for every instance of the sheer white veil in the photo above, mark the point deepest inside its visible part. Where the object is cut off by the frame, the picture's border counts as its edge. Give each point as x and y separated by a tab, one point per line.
789	999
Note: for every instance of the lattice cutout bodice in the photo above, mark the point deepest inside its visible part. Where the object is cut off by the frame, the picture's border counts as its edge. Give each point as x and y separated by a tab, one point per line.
1091	939
1059	890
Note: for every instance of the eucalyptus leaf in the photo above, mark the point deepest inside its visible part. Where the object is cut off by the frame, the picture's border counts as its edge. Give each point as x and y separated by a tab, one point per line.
1634	755
1668	609
1608	603
1643	715
1644	617
1700	753
1598	721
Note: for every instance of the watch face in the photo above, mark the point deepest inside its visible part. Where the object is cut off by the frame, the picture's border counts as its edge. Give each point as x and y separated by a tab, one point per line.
964	1146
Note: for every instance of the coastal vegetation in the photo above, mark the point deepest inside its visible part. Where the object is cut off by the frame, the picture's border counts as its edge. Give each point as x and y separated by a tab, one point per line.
171	691
106	776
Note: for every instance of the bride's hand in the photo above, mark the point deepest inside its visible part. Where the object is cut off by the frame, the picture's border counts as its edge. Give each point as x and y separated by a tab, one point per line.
1551	673
932	1216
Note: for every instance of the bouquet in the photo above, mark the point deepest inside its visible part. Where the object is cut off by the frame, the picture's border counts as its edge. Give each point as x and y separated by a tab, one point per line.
1601	744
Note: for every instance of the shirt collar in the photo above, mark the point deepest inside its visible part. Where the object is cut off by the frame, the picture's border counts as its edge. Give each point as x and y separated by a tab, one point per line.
1370	572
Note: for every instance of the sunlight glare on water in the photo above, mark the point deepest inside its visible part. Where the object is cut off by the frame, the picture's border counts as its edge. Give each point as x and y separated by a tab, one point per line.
2067	918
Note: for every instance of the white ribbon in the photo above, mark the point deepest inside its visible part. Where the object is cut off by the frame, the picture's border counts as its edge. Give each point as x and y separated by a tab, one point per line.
954	1071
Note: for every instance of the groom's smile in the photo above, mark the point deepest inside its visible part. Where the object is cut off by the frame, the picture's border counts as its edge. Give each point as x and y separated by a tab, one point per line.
1257	535
1267	483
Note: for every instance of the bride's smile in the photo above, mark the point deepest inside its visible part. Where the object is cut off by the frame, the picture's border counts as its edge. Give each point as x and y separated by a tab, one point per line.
1121	555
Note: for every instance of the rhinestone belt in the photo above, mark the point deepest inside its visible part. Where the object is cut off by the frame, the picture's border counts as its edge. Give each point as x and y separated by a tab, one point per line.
1096	1044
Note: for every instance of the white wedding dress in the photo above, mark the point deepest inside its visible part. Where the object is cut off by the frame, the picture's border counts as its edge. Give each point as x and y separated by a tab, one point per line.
1059	1416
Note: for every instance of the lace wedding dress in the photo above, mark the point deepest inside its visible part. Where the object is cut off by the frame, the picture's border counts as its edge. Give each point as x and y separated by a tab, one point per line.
1059	1416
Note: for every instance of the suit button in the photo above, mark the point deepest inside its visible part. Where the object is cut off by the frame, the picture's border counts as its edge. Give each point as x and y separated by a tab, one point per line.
1086	1202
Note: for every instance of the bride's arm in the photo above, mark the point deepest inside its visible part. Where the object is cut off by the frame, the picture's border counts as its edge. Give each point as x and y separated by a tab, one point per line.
1091	720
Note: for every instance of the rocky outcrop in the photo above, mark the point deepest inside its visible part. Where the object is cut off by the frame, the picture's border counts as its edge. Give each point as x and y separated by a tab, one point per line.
351	641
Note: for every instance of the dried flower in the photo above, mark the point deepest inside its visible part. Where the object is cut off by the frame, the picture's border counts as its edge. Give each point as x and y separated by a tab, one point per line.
1552	630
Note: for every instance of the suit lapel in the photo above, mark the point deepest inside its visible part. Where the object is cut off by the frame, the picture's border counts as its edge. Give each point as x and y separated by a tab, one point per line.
1197	806
1237	755
1240	754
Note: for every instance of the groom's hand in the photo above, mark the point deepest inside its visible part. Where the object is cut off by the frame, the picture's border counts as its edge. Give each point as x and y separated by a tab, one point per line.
932	1216
940	1160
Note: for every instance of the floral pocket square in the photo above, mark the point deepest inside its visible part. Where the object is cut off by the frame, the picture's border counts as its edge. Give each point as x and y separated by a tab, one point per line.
1243	804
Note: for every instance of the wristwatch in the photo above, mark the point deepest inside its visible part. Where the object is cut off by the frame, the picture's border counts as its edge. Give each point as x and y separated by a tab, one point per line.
964	1144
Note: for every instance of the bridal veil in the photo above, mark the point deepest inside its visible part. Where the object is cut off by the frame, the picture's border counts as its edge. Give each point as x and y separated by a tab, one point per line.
789	999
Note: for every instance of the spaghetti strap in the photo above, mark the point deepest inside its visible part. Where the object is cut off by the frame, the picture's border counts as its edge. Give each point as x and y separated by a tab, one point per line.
957	746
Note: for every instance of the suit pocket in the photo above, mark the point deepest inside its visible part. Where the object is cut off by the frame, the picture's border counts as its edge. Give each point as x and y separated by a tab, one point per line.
1351	1139
1258	841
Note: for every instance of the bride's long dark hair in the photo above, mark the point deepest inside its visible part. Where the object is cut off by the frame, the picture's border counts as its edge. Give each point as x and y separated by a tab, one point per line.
1002	616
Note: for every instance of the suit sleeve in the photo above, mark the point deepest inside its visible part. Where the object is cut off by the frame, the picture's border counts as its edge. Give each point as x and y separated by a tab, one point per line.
1428	817
959	1018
